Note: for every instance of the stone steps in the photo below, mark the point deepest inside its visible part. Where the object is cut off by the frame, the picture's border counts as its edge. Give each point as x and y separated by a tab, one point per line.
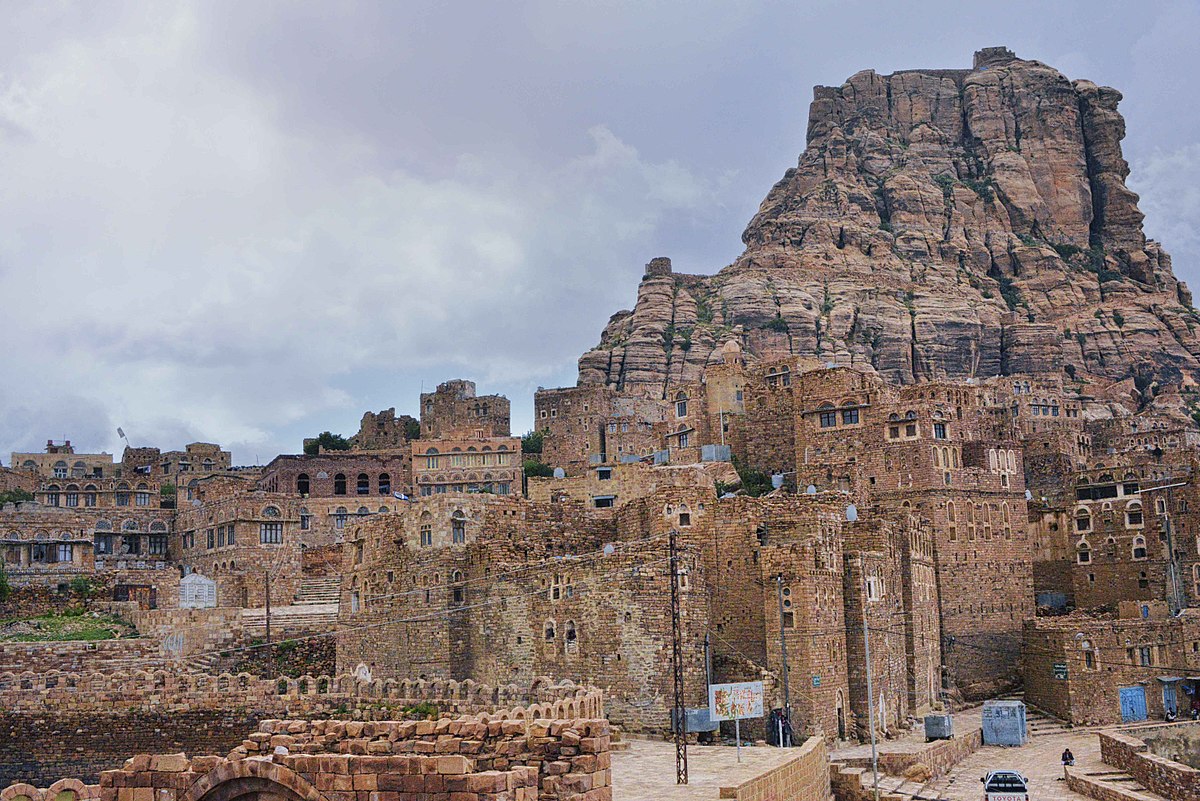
318	591
1111	785
291	620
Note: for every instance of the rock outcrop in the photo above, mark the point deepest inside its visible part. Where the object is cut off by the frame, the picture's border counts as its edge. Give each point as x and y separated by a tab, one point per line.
939	224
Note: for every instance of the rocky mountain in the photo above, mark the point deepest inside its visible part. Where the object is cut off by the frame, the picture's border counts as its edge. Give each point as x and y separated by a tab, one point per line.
940	223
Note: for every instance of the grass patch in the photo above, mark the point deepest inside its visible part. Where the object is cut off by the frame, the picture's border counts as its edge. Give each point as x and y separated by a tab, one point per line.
71	625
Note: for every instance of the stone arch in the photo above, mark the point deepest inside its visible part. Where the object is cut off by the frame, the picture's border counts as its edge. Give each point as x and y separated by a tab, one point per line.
67	790
20	792
251	780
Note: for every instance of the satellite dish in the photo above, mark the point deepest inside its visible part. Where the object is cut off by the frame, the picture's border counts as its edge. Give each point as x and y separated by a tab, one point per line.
610	549
811	489
560	473
196	502
1028	495
852	513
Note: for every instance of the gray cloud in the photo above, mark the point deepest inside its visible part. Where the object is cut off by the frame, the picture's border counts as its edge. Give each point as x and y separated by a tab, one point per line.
246	223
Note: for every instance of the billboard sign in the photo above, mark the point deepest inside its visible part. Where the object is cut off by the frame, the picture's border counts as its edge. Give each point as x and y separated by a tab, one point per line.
735	701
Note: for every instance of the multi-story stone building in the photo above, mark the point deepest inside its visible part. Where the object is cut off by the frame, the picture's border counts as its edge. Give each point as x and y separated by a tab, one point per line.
465	444
1125	667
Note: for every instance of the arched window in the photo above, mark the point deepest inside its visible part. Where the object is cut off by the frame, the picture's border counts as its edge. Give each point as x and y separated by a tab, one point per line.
60	469
364	484
305	519
72	495
458	528
362	510
1089	654
827	415
208	465
339	518
303	485
1139	547
385	484
571	637
52	493
1083	520
89	495
1133	515
550	631
681	404
1083	553
271	511
339	484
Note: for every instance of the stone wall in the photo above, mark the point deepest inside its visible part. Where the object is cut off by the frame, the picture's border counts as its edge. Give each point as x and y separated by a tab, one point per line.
804	776
166	690
464	759
75	656
39	748
1163	776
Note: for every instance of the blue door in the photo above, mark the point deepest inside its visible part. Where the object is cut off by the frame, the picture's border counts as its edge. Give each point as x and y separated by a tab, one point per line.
1133	704
1170	702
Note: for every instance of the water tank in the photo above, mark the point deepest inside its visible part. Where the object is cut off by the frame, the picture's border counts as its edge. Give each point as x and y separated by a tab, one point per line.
1004	723
938	727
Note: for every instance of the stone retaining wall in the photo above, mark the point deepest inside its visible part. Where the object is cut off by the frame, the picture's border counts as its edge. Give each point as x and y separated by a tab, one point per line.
1085	785
1169	779
804	776
482	758
75	656
940	756
164	690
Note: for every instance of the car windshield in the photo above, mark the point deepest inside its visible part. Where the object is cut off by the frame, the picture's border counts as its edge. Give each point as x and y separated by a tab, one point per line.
999	782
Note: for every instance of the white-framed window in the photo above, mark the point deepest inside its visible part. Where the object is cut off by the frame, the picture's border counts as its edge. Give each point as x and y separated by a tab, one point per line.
270	533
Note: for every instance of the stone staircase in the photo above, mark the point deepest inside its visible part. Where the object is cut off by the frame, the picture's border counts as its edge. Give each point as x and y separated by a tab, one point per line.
314	609
1039	724
1111	785
324	590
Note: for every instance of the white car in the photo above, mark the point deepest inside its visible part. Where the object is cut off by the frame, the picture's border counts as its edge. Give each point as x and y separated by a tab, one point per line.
1005	785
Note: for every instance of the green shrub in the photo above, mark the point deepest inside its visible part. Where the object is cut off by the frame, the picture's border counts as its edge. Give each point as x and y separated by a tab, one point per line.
1119	319
5	587
328	441
423	710
532	442
777	324
1066	251
535	468
83	587
15	496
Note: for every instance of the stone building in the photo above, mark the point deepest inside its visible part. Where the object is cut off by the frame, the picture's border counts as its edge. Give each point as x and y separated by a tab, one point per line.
385	430
465	445
237	535
454	411
367	475
944	453
494	588
59	461
1124	667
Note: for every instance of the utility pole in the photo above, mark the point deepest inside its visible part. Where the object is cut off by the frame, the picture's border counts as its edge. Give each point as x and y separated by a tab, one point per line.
870	687
1174	585
679	712
787	698
270	655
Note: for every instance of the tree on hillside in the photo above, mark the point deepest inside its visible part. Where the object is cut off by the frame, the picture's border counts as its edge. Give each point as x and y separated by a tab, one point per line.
326	441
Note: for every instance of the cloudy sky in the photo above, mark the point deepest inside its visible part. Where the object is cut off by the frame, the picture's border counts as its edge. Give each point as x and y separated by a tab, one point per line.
250	222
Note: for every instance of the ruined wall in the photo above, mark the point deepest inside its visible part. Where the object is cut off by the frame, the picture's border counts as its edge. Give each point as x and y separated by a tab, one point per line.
40	748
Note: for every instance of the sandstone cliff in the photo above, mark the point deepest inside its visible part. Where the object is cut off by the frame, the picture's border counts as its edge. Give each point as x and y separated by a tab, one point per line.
940	223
